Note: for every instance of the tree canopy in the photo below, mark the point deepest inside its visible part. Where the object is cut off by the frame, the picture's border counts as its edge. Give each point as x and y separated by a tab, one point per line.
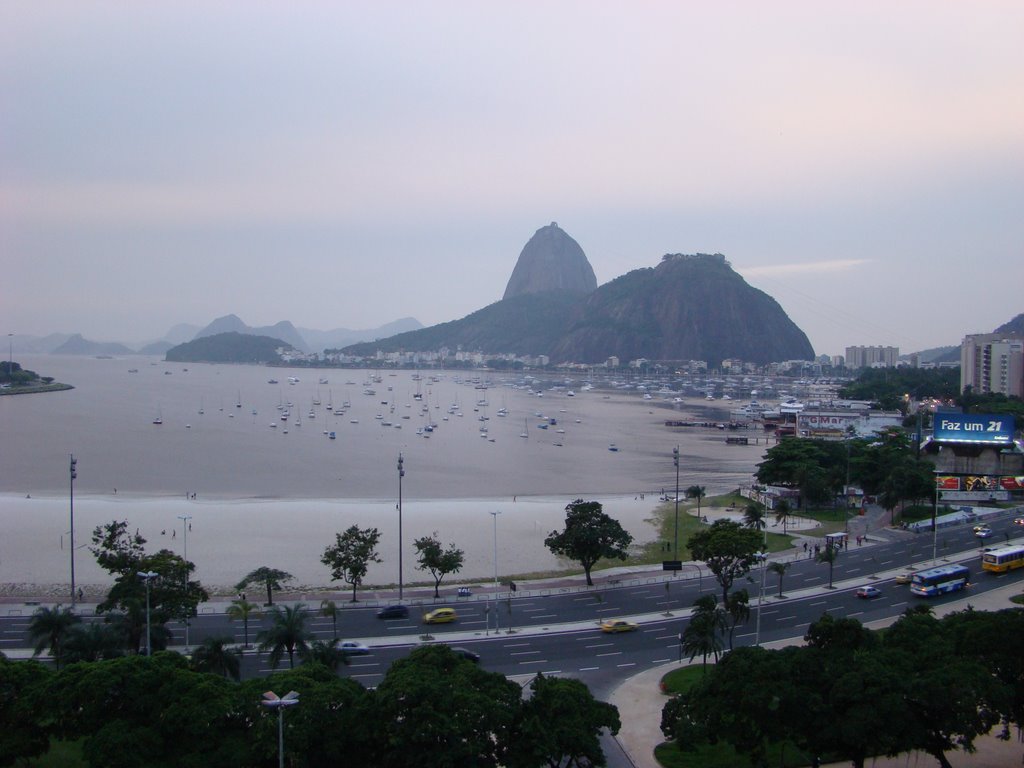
351	554
729	549
433	557
589	535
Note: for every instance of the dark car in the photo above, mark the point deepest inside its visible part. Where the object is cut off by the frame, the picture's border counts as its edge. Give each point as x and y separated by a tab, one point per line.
467	654
393	612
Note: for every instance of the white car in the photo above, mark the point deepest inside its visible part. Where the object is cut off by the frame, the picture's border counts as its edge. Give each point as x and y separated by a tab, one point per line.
353	648
982	531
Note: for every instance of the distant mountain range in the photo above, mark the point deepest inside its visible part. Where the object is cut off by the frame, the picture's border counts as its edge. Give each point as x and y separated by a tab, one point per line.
305	339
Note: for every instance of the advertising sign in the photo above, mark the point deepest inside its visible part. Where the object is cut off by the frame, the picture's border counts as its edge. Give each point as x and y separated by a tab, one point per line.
990	428
1012	483
947	482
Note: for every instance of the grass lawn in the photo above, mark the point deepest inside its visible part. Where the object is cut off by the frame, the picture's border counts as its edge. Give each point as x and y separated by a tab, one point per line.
62	754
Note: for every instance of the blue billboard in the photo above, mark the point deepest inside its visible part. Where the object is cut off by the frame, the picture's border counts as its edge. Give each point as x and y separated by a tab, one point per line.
992	428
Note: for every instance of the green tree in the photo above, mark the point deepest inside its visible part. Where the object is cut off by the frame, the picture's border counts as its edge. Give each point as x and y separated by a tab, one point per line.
705	630
782	510
697	492
172	593
589	535
728	549
23	715
214	656
270	578
436	710
329	609
351	554
560	723
779	569
438	561
287	633
241	610
49	627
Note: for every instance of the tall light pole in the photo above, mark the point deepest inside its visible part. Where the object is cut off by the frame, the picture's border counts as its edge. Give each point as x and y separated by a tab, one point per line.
184	542
10	356
495	516
401	474
72	474
763	557
271	701
148	576
675	460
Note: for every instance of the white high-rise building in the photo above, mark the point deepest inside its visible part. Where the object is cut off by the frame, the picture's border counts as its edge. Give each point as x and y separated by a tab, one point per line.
867	357
992	362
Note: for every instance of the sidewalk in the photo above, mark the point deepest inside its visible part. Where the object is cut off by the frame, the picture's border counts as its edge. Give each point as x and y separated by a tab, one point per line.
640	702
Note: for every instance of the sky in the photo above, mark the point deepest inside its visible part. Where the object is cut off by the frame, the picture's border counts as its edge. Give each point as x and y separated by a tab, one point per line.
346	164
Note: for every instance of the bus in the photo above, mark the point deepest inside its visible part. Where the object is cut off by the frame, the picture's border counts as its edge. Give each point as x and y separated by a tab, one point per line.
1002	559
936	581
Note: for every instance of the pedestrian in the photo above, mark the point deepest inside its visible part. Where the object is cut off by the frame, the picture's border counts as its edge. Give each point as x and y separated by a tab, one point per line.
805	546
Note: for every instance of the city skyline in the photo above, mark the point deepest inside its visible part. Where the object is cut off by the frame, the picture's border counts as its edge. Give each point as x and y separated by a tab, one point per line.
346	165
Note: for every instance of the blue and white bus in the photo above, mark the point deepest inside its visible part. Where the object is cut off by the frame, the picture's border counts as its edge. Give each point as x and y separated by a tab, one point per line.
936	581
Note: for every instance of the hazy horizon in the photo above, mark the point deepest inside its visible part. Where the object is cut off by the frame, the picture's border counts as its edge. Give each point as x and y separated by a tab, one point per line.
349	164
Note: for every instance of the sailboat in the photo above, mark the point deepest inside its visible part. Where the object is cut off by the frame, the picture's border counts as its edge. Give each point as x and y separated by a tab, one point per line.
238	402
159	418
526	431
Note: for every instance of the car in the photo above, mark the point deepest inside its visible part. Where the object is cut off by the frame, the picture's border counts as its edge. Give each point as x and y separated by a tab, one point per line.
440	616
618	625
982	531
1018	521
868	593
467	654
353	648
393	612
905	578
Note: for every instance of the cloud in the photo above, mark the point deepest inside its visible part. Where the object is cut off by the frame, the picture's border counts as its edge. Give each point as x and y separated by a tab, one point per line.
805	268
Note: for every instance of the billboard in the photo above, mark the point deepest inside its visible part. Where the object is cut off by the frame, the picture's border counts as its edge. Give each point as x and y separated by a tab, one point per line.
995	429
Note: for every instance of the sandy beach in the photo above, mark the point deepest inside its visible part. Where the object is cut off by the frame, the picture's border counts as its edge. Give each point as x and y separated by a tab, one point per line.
228	538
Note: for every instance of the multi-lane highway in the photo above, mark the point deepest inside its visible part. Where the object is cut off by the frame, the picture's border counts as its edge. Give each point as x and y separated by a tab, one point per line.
557	631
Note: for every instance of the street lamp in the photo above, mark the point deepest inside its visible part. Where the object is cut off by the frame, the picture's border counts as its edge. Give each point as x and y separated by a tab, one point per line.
72	473
495	516
675	460
148	576
763	557
271	701
184	541
401	474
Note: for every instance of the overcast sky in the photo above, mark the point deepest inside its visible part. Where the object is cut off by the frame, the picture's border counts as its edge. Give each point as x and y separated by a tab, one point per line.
345	164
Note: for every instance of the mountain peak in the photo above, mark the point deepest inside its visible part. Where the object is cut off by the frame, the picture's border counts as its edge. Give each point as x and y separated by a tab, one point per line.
551	261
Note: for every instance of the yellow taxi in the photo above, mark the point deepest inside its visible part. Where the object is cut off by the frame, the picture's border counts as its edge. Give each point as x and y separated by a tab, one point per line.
618	625
440	616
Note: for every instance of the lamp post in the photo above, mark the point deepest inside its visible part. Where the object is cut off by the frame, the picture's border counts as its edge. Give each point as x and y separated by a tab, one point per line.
184	549
935	522
72	474
272	701
401	474
148	576
763	557
10	356
495	516
675	460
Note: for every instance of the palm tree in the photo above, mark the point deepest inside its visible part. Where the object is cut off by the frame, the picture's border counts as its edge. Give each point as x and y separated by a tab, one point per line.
829	555
780	570
49	627
703	634
94	641
782	510
697	492
326	652
242	609
215	657
329	609
753	517
738	608
286	633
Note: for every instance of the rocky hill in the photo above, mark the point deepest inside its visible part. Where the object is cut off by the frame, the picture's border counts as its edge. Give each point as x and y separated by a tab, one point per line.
551	261
283	330
230	347
689	307
1015	326
78	345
